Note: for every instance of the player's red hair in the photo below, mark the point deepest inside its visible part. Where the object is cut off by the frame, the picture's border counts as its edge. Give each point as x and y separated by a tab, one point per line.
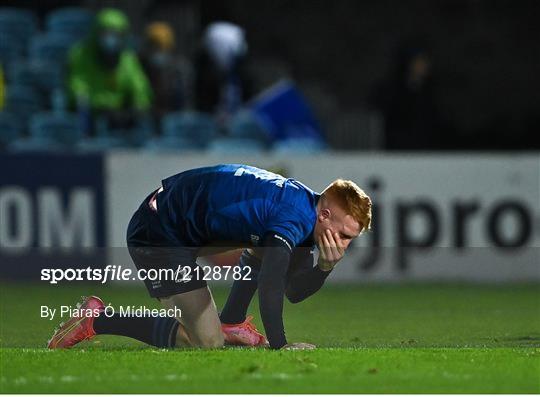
352	199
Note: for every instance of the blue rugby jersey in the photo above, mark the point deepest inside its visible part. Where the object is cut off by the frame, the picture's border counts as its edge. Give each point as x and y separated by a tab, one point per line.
235	203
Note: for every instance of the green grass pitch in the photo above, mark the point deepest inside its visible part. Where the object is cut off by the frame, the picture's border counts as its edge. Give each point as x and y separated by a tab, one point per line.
371	339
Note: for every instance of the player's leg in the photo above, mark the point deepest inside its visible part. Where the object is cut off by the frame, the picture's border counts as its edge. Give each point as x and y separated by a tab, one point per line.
143	234
186	293
156	331
242	291
199	323
92	319
237	328
198	326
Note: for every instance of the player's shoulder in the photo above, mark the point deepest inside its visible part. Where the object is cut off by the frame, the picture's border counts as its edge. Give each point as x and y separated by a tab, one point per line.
298	196
296	205
294	212
199	172
229	169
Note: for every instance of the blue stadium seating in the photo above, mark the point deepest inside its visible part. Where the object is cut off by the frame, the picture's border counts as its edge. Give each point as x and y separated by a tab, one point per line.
42	75
20	72
300	146
75	22
235	146
18	23
142	131
50	47
244	125
100	144
50	131
23	101
59	100
59	127
198	128
11	49
11	128
34	145
171	143
104	139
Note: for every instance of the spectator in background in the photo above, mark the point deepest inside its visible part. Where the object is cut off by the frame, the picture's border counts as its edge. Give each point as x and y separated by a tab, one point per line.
105	77
168	73
222	83
408	103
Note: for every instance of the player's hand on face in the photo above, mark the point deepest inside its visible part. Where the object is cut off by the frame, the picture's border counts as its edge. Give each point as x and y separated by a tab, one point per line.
331	249
298	346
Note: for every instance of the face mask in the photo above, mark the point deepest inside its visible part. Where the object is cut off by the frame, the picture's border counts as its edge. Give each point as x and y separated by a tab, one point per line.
111	43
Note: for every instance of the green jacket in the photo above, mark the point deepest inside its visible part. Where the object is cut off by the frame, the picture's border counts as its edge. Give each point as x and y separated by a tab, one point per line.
124	87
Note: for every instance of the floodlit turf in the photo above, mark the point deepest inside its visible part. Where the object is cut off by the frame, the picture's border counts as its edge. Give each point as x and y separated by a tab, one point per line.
372	339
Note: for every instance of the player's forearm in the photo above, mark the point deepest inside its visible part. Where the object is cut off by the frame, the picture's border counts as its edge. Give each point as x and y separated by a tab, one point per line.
271	307
272	290
242	291
304	284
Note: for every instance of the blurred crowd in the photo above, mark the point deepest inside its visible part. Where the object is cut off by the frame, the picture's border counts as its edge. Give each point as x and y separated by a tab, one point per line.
71	78
88	82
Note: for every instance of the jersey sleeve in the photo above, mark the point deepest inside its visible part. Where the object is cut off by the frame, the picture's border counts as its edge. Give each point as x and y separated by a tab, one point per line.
290	223
271	284
304	278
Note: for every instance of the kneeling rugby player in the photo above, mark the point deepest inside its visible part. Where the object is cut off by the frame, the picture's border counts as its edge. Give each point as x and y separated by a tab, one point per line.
278	220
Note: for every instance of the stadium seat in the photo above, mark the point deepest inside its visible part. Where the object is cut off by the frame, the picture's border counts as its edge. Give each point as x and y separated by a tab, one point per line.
171	143
235	146
198	128
43	75
10	128
11	49
50	47
34	145
59	100
300	146
245	125
75	22
99	144
105	138
20	72
50	131
23	101
59	127
19	23
143	130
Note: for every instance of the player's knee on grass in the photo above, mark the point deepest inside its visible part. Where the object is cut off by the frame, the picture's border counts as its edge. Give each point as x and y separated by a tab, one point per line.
208	339
199	318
